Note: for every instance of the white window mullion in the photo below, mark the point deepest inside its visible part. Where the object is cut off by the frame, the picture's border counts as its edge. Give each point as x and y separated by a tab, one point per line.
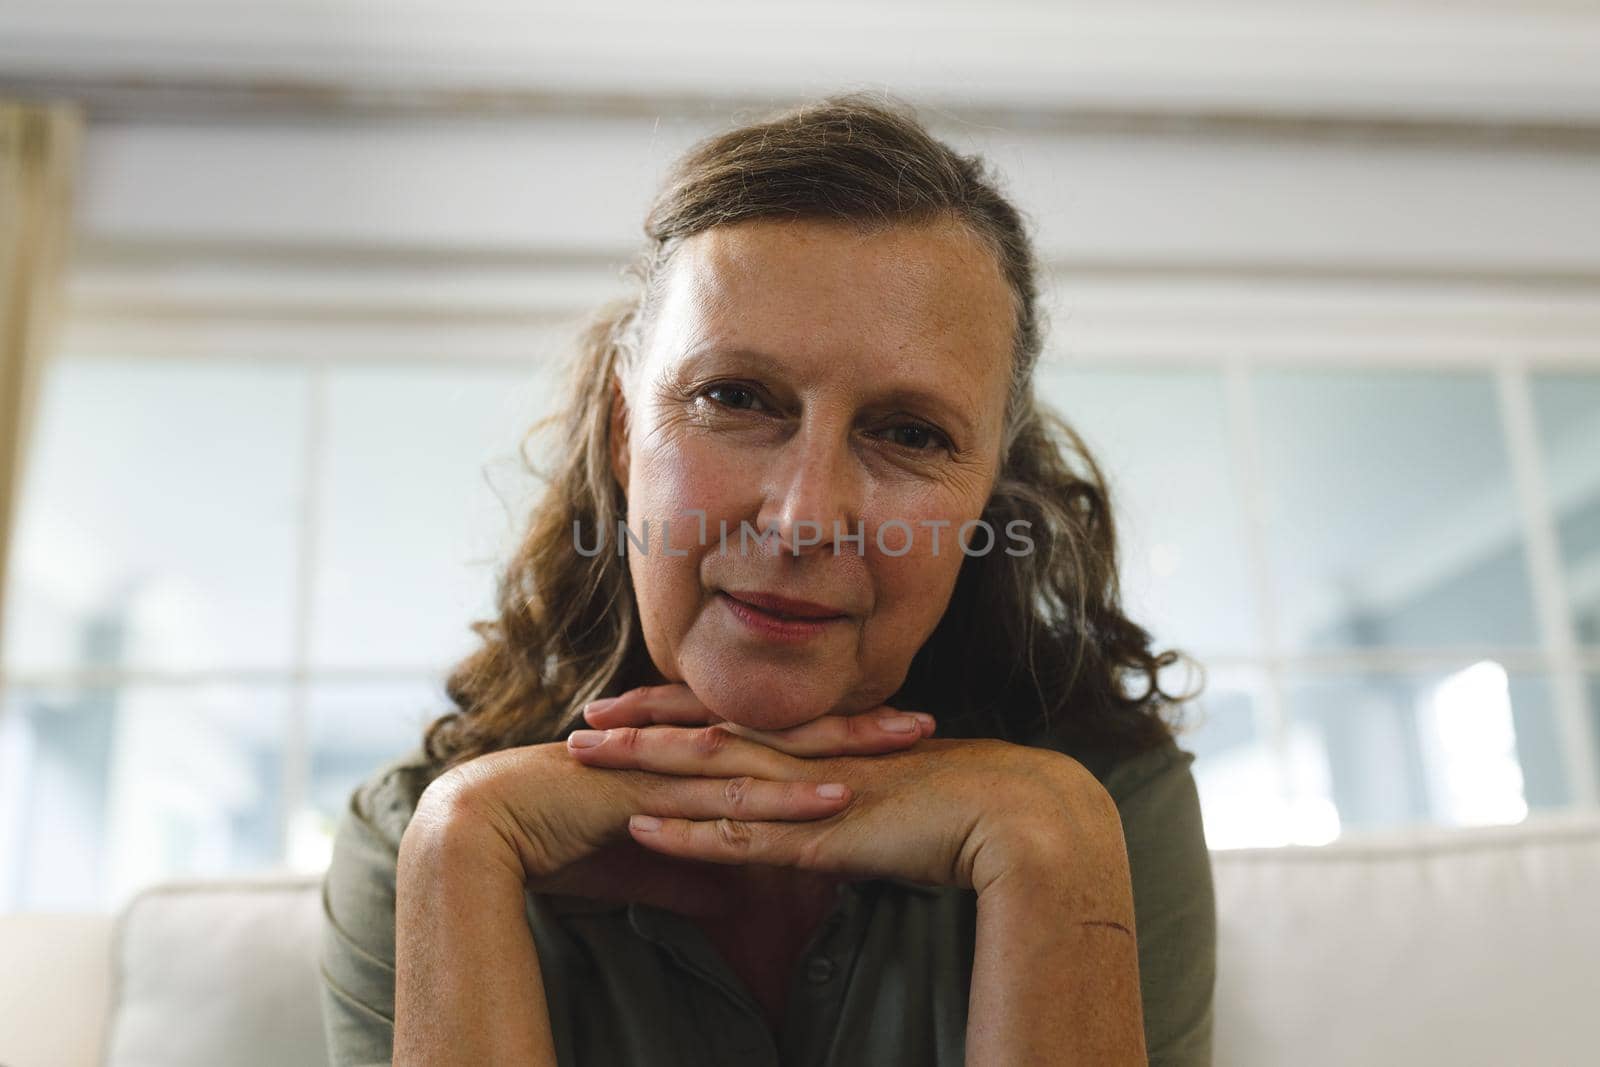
1573	714
1272	713
296	735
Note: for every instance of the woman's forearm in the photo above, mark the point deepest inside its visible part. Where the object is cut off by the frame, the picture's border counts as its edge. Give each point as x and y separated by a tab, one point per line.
467	982
1055	975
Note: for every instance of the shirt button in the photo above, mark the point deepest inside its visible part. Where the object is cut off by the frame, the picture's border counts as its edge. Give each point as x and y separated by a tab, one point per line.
820	969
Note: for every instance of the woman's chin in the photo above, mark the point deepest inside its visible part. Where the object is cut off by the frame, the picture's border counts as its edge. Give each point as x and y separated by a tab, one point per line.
761	703
769	716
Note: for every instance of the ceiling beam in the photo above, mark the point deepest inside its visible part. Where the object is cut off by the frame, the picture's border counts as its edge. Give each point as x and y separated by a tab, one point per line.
1494	69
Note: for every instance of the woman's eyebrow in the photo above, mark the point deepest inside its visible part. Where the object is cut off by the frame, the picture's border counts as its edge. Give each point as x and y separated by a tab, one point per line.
942	405
947	412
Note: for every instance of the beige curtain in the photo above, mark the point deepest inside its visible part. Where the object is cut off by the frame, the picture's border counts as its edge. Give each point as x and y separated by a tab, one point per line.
38	159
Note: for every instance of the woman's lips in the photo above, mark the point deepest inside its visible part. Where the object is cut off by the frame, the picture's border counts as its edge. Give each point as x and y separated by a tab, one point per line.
787	607
776	627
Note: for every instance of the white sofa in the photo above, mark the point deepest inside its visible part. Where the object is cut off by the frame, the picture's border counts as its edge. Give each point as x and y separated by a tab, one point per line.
1443	947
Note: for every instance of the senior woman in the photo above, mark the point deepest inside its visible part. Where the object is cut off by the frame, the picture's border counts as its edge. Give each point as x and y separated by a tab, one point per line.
893	780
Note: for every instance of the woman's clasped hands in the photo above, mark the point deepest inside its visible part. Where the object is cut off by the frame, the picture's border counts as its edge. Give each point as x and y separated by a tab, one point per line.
858	796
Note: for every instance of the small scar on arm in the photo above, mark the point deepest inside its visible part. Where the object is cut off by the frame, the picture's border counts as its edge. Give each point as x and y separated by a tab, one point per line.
1106	922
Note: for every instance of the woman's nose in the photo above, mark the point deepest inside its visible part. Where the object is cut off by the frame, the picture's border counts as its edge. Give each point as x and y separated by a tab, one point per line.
813	493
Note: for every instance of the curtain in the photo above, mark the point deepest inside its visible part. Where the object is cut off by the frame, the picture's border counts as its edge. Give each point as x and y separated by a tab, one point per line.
38	159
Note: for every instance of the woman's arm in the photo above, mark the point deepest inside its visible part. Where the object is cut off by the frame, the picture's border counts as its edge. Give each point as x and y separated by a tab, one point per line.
1055	975
1174	902
468	987
357	964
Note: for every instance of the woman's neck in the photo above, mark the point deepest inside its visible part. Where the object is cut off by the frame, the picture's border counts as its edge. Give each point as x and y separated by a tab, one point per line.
773	914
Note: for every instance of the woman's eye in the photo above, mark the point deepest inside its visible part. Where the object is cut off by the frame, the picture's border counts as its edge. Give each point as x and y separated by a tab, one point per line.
735	396
918	437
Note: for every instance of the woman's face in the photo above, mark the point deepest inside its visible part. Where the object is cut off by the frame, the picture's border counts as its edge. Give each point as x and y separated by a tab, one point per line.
810	380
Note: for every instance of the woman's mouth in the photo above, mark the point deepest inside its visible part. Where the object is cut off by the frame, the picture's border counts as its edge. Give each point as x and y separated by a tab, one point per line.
806	621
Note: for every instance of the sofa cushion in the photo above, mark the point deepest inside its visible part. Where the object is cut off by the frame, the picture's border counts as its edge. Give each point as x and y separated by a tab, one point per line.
1448	947
1443	947
209	973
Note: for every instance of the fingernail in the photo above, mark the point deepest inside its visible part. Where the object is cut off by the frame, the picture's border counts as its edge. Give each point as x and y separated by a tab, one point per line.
898	724
599	705
645	823
831	791
585	738
924	718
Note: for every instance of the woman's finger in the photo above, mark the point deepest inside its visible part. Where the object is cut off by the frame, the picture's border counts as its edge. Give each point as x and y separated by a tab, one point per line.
712	751
736	841
882	729
742	798
672	704
867	734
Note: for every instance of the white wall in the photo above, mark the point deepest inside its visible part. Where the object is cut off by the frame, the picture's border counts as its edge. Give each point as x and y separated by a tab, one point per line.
1217	175
1161	244
1505	60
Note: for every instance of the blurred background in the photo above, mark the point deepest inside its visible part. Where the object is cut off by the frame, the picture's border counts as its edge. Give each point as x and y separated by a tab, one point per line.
285	283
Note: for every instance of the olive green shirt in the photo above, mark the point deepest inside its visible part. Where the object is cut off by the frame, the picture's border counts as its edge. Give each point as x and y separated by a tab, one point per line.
884	981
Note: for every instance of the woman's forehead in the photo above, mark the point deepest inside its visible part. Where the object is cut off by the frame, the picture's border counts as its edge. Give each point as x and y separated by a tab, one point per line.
928	299
933	267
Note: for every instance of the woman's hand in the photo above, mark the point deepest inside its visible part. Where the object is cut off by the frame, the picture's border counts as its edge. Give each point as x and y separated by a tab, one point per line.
943	812
566	823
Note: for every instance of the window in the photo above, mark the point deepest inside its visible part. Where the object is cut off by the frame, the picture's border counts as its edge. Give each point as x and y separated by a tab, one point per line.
253	576
1354	556
255	573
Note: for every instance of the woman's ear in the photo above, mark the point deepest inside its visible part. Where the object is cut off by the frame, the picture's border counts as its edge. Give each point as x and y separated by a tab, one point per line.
619	434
